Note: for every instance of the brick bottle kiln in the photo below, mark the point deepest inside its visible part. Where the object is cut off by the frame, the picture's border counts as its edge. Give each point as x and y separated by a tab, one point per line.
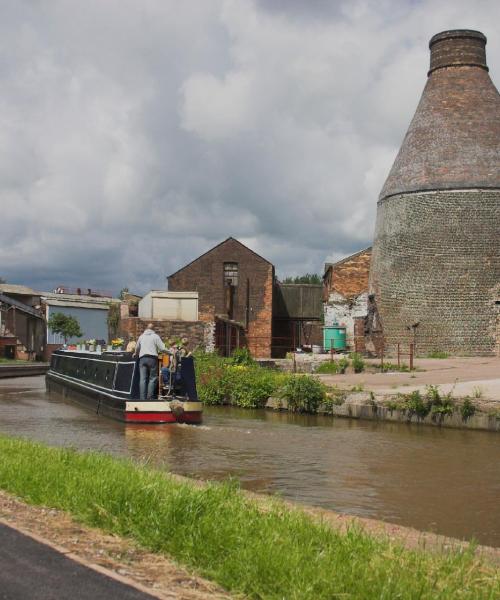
435	269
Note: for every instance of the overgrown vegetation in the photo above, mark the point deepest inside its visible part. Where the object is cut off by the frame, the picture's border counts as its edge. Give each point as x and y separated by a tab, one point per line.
438	354
113	319
358	364
389	367
303	393
216	530
432	402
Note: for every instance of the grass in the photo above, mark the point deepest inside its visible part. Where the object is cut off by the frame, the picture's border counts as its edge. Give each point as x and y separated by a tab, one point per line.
274	553
438	354
13	361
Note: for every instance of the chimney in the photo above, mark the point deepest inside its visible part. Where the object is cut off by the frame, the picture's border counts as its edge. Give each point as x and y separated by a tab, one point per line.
458	47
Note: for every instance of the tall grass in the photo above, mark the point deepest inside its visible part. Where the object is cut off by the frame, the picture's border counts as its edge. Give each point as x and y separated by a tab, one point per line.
275	553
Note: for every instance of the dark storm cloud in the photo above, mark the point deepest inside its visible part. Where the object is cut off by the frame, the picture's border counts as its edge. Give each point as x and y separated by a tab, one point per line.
135	136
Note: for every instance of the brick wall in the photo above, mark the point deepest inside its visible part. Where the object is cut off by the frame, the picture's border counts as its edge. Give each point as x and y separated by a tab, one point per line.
198	333
436	261
206	276
349	277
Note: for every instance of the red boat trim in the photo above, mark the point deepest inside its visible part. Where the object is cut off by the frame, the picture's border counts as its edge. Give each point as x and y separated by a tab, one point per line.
162	417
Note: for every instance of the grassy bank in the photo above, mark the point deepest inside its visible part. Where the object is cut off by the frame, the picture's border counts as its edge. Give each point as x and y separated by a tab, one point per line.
277	553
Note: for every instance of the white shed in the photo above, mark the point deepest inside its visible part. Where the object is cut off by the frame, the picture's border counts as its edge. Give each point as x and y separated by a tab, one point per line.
174	306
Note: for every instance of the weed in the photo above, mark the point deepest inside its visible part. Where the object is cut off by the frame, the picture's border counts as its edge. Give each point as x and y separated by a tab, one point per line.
478	392
438	354
467	408
359	387
328	367
343	363
358	364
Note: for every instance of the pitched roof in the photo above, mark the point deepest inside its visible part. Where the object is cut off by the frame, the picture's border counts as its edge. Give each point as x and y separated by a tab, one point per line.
217	246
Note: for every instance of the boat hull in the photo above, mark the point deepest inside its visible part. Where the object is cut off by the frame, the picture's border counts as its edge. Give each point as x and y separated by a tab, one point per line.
108	386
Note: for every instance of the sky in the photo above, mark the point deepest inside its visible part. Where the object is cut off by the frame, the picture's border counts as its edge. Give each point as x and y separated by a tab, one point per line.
137	134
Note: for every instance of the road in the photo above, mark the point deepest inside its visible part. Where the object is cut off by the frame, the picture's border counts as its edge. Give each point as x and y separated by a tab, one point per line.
30	569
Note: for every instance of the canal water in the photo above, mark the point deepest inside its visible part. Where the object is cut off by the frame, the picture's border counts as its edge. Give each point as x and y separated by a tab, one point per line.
441	480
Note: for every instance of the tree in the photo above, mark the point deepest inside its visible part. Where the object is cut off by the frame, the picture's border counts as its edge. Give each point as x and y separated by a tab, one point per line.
113	319
123	291
307	278
64	325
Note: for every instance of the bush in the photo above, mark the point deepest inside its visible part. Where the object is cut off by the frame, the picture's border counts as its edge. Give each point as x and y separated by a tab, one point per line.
242	356
343	364
250	387
467	409
330	367
358	364
303	393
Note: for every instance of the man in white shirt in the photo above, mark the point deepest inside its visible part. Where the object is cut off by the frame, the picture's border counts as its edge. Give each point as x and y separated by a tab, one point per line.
148	346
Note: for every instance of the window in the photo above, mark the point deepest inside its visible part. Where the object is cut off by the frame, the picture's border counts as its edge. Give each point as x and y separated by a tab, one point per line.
231	274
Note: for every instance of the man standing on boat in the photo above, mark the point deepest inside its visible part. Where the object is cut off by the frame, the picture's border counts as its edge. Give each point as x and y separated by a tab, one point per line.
148	346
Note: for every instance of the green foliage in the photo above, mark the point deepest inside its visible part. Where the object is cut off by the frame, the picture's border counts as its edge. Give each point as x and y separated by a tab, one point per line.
303	393
343	364
113	319
122	293
330	367
358	364
467	408
220	381
253	549
432	402
242	356
64	325
388	367
307	278
438	354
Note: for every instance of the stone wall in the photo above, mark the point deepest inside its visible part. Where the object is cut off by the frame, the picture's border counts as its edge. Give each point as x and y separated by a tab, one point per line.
199	334
436	262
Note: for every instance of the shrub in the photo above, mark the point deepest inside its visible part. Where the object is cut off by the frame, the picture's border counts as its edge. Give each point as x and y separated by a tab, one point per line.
242	356
343	363
328	367
358	364
416	405
303	393
251	387
467	409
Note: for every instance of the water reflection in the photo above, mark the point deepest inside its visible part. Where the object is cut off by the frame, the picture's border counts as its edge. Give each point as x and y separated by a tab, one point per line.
429	478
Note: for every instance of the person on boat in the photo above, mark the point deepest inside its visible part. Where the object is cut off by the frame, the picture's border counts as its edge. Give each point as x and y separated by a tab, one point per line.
132	344
149	345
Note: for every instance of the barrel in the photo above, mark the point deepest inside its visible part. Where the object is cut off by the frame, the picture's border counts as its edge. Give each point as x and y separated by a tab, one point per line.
334	337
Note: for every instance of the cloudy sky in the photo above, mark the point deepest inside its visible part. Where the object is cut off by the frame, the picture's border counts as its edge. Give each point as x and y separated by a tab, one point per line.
136	134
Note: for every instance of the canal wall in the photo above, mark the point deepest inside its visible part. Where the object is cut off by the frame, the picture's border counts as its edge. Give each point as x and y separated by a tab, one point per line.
366	405
23	370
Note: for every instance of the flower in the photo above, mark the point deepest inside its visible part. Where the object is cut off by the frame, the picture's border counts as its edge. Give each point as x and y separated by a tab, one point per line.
117	342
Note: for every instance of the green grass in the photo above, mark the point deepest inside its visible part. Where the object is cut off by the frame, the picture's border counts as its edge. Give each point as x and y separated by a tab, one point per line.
438	354
219	532
12	361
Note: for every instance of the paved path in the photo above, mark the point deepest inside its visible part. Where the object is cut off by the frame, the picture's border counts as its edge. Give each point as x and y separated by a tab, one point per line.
465	376
31	570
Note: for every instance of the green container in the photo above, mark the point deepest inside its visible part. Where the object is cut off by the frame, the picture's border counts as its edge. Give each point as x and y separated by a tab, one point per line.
334	338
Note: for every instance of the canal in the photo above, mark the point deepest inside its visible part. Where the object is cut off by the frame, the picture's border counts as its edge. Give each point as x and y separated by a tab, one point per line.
441	480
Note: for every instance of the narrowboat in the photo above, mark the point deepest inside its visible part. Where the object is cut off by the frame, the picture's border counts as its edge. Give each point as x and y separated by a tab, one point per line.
108	383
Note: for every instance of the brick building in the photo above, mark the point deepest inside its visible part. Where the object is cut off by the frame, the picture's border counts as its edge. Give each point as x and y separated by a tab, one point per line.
345	295
435	269
235	296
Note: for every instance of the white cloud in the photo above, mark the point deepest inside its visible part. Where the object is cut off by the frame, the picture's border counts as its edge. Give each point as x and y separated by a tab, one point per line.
133	136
